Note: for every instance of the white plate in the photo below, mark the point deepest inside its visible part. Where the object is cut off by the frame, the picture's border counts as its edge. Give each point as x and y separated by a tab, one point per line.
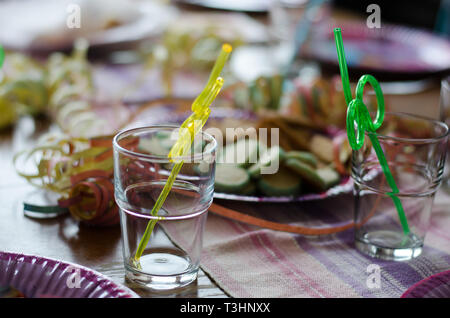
43	25
256	6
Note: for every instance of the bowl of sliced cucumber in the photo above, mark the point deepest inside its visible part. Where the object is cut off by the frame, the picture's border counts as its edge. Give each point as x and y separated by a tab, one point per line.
289	176
249	170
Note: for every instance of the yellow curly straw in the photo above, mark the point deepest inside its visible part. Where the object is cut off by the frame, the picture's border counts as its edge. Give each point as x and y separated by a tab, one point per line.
188	130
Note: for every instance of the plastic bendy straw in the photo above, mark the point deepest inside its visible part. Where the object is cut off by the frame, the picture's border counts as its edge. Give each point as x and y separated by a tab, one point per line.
358	113
188	130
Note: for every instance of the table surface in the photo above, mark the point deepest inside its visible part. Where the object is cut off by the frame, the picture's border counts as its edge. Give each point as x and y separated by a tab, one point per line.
62	237
100	248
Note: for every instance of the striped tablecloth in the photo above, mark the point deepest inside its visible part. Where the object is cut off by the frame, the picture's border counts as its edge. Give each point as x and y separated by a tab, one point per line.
251	262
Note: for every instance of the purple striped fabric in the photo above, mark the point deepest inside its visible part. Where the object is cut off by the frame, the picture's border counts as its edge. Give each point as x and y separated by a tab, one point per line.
251	262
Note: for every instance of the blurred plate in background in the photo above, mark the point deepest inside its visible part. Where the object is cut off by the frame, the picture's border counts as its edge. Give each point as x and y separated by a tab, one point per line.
389	53
256	6
102	23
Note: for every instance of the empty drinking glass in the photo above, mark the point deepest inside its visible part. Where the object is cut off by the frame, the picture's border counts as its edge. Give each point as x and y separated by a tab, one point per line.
162	250
415	149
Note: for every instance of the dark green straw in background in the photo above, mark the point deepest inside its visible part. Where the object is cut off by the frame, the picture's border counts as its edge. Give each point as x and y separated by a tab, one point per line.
2	56
358	113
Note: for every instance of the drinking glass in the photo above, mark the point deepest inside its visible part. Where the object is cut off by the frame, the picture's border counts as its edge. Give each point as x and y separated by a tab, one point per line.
171	256
415	149
445	117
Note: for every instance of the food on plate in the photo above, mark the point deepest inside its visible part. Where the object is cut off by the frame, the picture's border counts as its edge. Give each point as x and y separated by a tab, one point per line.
304	156
293	134
242	152
320	179
268	158
318	158
318	100
310	99
281	183
249	167
265	92
231	178
322	147
275	172
328	176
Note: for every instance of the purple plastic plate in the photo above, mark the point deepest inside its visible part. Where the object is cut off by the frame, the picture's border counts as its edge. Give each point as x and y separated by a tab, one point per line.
392	52
435	286
157	116
36	276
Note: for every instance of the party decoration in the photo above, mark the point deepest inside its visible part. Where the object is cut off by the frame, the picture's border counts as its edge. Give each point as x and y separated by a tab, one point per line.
78	169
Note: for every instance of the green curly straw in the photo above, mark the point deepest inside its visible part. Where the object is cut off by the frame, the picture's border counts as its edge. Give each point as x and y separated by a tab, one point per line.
200	109
2	56
357	113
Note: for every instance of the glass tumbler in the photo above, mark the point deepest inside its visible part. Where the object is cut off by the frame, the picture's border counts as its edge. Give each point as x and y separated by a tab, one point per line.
161	248
415	149
445	117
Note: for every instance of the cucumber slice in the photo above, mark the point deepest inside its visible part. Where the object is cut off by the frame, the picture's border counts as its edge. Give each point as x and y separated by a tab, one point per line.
250	189
230	178
307	173
329	176
202	168
165	139
240	153
282	183
152	146
163	134
321	179
161	143
267	159
255	170
166	143
304	156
